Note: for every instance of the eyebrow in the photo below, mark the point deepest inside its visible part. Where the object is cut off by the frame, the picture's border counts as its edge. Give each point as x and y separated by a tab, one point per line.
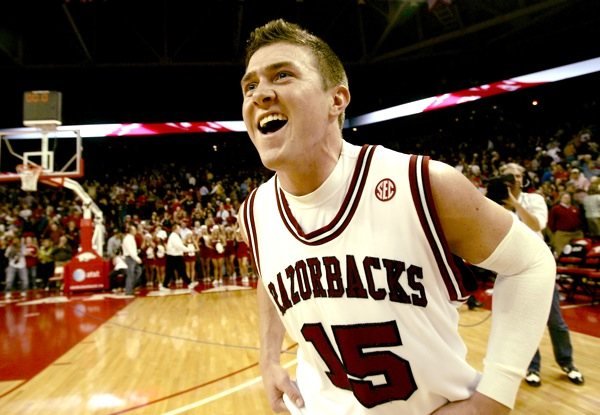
269	68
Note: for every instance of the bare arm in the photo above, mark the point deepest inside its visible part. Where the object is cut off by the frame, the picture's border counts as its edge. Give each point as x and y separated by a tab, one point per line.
487	235
276	379
473	224
271	329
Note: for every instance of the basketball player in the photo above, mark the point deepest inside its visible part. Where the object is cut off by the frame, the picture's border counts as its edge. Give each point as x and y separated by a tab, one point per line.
354	247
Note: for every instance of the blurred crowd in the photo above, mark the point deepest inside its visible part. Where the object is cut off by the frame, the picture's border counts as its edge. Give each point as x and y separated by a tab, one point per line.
44	225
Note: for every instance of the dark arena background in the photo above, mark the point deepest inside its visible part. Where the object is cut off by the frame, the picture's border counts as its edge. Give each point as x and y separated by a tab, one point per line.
174	61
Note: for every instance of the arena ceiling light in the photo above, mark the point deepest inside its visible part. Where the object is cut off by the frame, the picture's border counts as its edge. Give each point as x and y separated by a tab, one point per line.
446	100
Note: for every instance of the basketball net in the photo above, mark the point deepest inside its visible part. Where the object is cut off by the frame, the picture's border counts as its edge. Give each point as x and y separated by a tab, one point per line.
29	174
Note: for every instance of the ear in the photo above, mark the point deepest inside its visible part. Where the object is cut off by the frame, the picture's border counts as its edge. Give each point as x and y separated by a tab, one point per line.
341	99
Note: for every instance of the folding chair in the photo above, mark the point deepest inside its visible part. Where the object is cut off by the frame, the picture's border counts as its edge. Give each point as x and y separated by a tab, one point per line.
580	273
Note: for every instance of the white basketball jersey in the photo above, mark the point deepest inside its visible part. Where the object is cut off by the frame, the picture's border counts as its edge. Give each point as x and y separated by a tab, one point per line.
370	296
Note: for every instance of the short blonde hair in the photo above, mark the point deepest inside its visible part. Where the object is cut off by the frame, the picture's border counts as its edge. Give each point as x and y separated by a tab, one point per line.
511	167
275	31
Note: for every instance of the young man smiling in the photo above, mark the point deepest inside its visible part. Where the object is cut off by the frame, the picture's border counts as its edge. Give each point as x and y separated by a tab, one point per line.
357	252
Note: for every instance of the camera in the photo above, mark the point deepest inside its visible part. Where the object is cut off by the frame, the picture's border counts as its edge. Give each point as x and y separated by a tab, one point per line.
497	187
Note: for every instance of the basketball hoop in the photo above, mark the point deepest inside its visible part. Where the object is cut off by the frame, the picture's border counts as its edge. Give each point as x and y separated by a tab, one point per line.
29	174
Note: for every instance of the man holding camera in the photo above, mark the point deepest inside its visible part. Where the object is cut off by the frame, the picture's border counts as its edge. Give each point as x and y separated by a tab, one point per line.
529	207
532	210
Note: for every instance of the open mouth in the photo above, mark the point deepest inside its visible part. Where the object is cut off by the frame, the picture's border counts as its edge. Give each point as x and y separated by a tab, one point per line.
272	123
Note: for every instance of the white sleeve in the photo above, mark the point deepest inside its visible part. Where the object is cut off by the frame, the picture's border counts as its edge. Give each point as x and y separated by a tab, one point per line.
535	204
521	302
126	246
129	248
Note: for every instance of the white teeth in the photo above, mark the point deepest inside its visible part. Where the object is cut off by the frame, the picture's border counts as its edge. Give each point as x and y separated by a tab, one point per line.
271	117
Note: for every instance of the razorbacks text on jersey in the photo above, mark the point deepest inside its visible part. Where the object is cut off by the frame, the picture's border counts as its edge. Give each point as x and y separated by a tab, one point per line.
364	281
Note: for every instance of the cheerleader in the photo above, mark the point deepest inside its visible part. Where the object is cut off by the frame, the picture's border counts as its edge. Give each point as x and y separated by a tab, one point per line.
160	259
230	252
189	258
205	252
150	262
217	243
242	254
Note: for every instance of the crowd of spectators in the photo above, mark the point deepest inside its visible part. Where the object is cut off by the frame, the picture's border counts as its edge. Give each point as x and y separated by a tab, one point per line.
201	194
154	200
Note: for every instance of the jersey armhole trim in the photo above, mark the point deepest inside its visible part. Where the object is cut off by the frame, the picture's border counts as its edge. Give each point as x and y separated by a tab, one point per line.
250	228
423	199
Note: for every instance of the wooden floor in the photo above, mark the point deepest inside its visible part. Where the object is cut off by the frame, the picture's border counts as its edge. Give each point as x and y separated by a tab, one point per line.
197	354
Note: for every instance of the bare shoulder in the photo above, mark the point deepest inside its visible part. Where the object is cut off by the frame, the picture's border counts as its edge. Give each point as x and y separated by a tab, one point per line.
473	225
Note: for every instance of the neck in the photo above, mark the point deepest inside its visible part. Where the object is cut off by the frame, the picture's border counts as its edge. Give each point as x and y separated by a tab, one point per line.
308	174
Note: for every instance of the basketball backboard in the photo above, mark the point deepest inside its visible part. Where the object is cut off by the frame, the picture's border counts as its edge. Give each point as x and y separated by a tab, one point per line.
57	150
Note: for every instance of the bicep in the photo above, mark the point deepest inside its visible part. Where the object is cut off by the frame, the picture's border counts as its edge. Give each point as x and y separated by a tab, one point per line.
473	225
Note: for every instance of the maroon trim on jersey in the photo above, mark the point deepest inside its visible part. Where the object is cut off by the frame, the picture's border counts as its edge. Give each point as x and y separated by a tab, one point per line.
250	226
439	252
347	209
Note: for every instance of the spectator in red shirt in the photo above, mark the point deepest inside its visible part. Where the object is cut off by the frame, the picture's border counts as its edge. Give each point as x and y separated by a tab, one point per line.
561	175
565	223
31	258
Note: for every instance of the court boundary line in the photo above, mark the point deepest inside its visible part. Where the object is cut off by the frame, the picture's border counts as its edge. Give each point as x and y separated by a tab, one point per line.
182	392
224	393
14	388
210	382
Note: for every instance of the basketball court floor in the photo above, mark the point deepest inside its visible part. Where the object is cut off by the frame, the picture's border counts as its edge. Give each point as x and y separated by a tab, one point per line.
197	353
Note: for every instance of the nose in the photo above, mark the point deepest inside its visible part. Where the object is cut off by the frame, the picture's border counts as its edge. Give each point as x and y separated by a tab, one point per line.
264	95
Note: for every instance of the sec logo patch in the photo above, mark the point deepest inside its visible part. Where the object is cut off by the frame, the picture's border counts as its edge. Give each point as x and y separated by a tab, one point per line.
385	190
